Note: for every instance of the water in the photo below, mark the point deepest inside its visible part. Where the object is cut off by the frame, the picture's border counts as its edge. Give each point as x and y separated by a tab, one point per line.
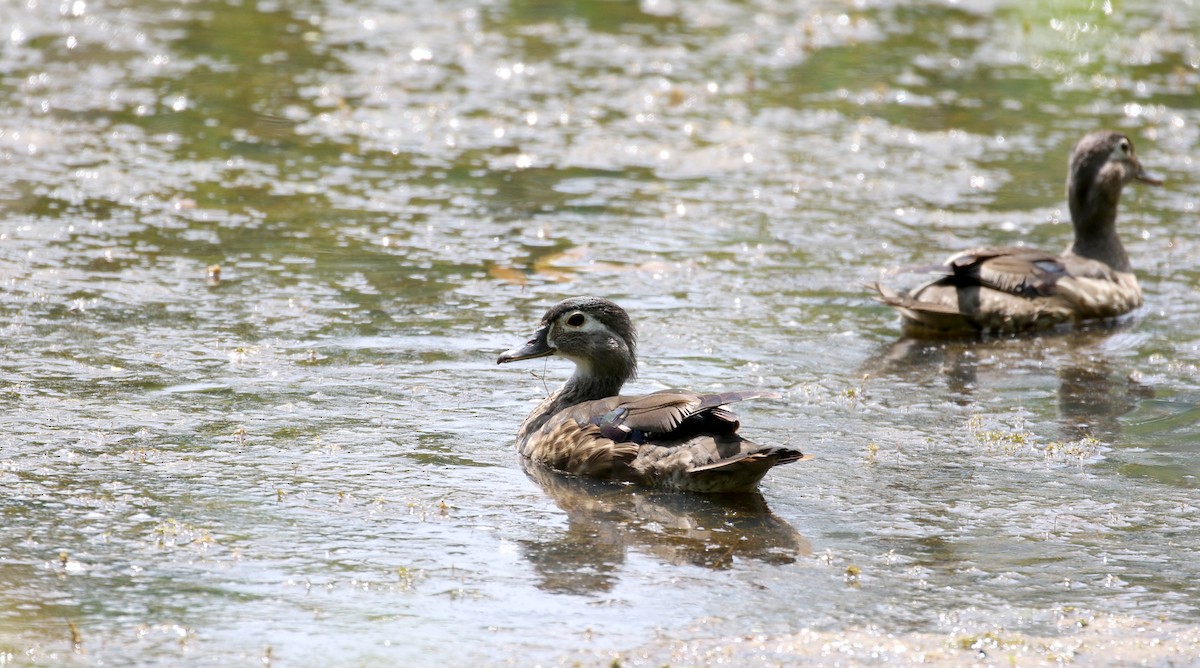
306	458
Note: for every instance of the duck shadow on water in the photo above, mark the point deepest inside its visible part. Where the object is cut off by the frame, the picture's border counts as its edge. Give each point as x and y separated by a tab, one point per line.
1092	392
606	520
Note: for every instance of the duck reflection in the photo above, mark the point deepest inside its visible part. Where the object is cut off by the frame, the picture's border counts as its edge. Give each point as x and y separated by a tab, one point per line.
1092	394
605	520
1092	398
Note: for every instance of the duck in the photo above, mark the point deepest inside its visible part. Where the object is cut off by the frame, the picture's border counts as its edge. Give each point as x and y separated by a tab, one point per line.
1017	289
673	439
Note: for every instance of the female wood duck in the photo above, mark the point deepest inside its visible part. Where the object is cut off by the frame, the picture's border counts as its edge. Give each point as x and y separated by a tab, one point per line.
672	438
1015	289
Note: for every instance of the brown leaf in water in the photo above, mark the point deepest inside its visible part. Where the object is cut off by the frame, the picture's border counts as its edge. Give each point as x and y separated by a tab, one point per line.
508	275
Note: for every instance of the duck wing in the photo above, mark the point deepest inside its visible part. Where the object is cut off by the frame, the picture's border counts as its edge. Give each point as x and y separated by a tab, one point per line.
1024	272
666	414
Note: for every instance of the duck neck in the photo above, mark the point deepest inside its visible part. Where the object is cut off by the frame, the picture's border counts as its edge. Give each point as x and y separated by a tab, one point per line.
587	387
1095	223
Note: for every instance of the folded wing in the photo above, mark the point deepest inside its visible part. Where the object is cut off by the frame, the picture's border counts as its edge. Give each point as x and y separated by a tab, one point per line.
1024	272
663	415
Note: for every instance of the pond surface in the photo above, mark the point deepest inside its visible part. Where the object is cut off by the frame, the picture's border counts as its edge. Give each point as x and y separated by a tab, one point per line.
258	260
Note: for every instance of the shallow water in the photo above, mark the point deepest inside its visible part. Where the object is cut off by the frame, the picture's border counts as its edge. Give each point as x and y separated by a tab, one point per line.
306	457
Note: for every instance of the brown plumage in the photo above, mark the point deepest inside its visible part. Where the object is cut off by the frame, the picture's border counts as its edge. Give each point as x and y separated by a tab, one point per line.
1015	289
672	438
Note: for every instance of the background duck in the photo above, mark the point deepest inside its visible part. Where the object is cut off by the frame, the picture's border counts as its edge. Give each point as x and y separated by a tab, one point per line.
672	438
1014	289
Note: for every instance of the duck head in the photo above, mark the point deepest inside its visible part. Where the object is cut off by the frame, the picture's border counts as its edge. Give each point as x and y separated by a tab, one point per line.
1101	164
594	333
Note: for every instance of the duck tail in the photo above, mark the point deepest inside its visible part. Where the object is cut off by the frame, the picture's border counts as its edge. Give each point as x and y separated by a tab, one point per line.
922	318
740	473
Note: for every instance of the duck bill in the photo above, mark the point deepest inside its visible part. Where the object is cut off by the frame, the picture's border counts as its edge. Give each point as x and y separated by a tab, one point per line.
534	347
1140	175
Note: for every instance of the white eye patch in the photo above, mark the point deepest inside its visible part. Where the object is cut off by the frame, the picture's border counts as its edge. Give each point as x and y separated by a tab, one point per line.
1121	151
589	325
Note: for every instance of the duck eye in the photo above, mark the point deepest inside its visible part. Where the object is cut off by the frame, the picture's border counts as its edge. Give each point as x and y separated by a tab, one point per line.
576	320
1125	147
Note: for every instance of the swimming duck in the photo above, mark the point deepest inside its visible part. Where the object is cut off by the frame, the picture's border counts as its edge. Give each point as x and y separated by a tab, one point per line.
675	439
1015	289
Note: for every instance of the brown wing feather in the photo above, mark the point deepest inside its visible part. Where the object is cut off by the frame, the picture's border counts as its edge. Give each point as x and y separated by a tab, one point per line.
662	412
1025	272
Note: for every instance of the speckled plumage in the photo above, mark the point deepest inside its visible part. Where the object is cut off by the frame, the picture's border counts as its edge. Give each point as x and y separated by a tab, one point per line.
1016	289
672	438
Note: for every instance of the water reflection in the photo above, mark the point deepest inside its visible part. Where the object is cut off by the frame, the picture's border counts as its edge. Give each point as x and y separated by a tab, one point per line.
1092	398
1092	393
606	520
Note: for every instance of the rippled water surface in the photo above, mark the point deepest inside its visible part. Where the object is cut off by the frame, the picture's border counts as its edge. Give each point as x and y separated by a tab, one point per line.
258	260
